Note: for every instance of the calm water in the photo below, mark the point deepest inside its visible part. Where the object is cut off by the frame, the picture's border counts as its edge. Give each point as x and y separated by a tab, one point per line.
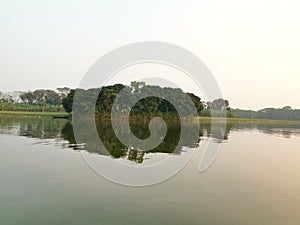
44	180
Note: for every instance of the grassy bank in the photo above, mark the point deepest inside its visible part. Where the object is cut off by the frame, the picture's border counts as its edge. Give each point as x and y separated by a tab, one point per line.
20	113
246	120
201	119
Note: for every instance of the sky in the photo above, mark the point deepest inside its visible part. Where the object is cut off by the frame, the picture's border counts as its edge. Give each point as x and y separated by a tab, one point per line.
251	47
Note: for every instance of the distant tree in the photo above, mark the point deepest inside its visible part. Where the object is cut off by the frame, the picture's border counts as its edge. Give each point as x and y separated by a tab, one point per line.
197	101
38	97
285	113
218	104
287	108
63	92
27	97
68	101
52	98
137	85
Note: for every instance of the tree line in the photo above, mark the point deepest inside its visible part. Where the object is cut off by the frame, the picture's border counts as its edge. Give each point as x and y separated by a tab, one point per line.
62	100
285	113
146	107
36	101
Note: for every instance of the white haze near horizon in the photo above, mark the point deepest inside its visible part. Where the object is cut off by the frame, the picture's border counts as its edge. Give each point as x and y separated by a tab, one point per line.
251	47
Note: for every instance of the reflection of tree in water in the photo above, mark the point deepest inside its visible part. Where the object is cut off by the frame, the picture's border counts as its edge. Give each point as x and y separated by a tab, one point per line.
135	155
48	128
283	130
116	149
170	143
31	126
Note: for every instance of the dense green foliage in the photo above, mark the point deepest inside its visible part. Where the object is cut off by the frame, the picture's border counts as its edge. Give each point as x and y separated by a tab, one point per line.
26	107
145	107
36	101
52	101
41	97
68	101
218	108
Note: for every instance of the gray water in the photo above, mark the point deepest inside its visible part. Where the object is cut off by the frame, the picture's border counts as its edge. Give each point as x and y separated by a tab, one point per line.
44	180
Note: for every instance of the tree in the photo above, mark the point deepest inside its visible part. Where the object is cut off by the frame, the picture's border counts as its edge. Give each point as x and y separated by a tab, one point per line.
68	101
27	97
52	98
150	106
218	104
197	102
137	85
38	97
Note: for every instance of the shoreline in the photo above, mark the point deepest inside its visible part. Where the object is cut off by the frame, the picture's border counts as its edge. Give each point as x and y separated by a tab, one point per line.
201	119
22	113
246	120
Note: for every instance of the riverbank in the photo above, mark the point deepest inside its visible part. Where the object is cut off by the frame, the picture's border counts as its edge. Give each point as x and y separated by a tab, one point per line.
21	113
201	119
246	120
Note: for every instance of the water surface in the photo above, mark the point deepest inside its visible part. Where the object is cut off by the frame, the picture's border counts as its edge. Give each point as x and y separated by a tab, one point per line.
44	180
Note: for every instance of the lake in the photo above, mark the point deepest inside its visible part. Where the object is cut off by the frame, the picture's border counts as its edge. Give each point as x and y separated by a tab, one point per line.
44	179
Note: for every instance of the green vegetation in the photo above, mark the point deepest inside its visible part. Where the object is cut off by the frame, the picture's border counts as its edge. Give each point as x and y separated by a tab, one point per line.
27	107
285	113
146	107
67	102
41	102
42	97
37	101
218	108
22	113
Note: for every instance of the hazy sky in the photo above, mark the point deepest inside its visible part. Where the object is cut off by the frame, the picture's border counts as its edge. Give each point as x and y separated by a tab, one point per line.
251	47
